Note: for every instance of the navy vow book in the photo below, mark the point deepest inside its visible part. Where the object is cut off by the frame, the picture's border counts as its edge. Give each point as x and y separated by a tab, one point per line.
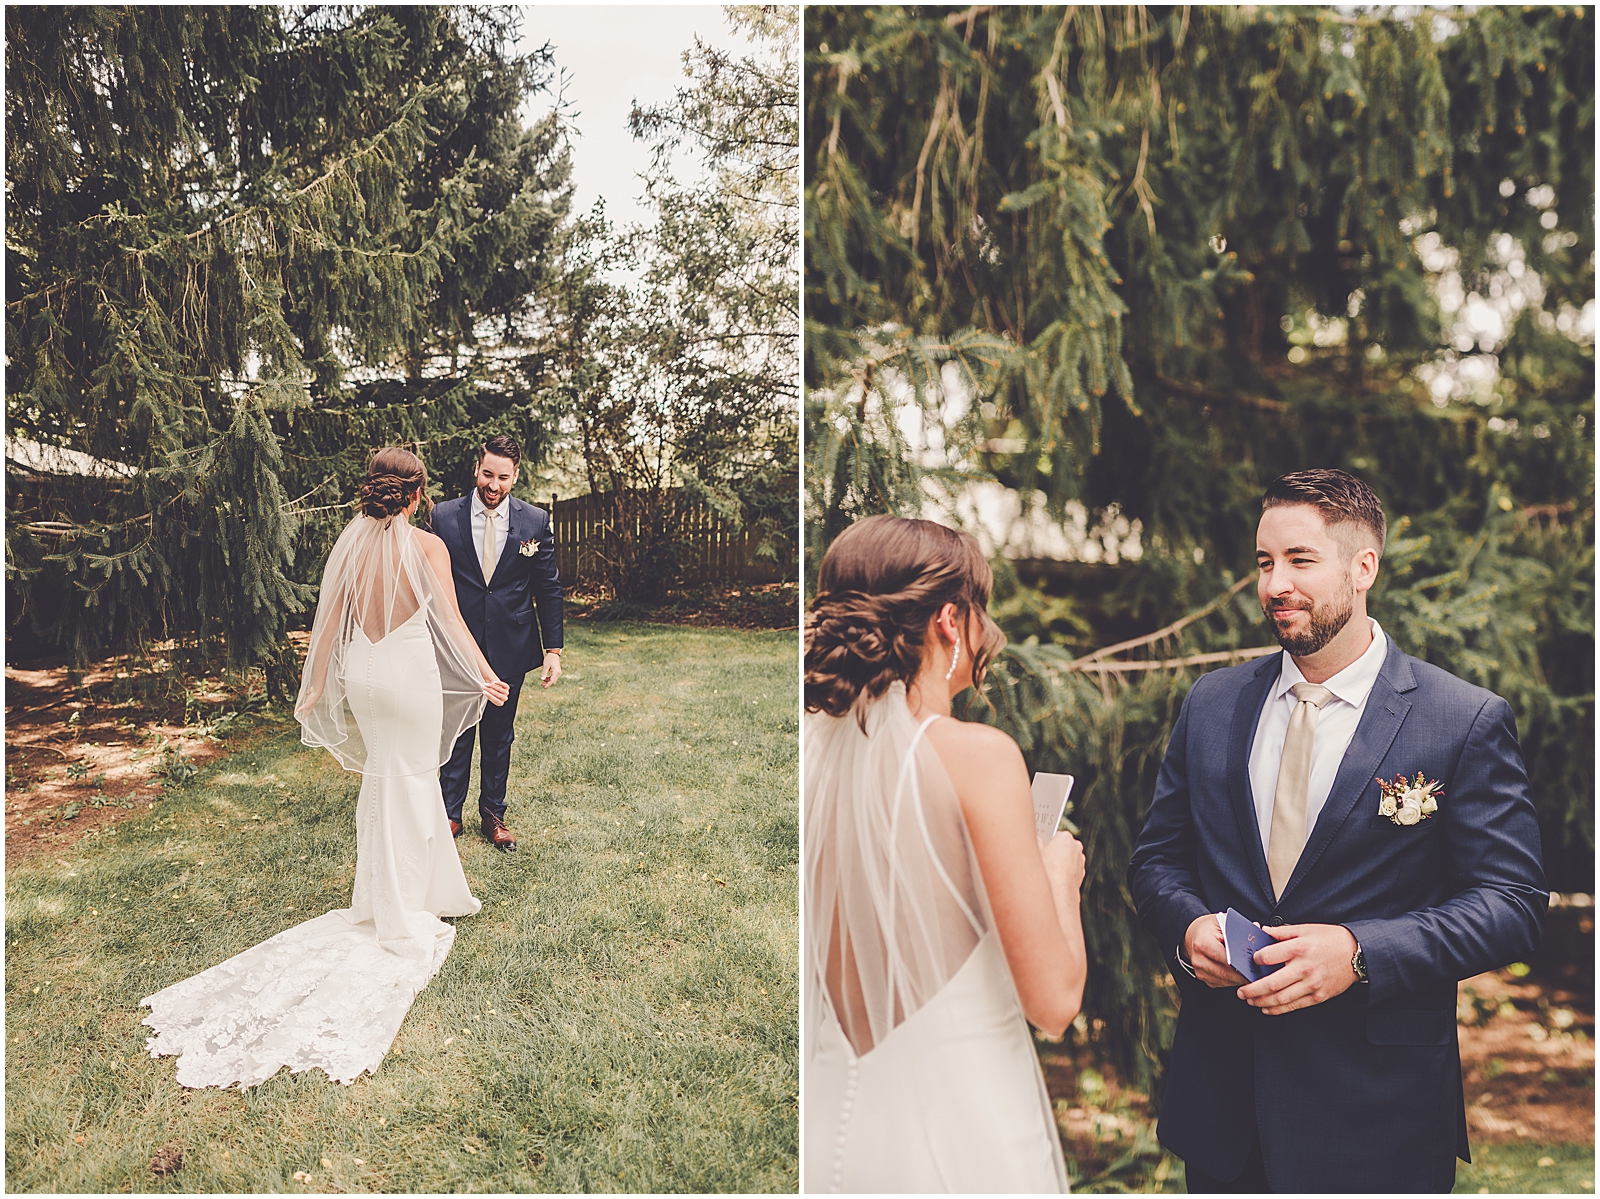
1243	939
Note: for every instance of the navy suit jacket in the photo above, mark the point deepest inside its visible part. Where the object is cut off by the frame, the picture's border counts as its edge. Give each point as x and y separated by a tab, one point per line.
1361	1092
499	613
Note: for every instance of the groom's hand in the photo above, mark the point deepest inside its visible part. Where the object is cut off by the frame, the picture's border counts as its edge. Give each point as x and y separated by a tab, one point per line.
1316	967
552	669
1208	954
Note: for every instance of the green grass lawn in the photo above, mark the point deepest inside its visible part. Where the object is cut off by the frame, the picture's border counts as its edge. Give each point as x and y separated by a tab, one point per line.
1516	1170
621	1016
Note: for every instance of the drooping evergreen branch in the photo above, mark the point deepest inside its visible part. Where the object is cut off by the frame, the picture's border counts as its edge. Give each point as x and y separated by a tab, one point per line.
194	268
1168	631
1213	245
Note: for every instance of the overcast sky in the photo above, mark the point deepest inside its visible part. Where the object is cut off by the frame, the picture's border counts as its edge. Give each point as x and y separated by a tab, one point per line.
614	56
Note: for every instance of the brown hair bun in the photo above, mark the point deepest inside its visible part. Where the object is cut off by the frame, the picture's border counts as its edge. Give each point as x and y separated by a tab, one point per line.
394	478
882	581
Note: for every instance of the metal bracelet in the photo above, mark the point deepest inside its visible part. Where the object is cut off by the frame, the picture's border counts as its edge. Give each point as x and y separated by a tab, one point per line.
1182	961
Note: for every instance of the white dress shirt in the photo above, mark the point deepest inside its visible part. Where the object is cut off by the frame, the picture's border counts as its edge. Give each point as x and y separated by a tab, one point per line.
1336	726
502	529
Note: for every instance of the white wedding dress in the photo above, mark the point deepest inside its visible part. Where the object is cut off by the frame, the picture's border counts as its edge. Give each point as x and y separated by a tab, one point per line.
396	690
920	1073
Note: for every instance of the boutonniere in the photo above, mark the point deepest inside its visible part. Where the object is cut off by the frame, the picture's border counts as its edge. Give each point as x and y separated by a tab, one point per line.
1408	802
528	548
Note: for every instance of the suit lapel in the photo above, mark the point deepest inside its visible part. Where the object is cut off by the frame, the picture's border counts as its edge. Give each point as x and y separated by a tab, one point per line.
1242	735
1385	712
514	537
463	521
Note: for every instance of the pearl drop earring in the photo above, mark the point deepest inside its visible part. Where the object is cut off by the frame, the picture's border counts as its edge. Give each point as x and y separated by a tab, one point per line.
955	656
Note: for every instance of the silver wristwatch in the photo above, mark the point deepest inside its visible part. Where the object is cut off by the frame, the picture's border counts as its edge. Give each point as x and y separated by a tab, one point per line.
1358	963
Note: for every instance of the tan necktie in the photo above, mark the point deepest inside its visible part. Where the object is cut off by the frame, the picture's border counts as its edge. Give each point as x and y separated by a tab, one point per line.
489	555
1288	836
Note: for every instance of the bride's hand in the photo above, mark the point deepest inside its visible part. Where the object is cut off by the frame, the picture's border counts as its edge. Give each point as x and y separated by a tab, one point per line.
1063	861
497	691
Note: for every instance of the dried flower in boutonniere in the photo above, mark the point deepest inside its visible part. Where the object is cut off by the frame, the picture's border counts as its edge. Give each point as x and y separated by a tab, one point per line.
1408	802
528	548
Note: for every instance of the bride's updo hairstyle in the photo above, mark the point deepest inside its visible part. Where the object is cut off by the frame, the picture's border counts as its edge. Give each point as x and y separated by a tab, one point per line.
882	581
394	478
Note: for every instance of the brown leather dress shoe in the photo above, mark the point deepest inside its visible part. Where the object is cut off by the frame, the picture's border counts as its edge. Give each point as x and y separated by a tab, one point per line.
455	828
498	834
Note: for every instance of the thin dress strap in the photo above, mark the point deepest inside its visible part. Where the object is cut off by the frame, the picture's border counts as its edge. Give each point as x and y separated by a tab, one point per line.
927	839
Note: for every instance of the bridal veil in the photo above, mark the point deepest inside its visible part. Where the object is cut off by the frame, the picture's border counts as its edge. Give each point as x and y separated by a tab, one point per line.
377	580
894	902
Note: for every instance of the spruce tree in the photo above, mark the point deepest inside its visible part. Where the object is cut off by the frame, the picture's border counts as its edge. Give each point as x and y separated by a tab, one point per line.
245	246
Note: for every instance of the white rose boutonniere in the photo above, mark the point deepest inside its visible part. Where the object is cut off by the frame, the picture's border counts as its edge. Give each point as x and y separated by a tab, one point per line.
528	548
1409	802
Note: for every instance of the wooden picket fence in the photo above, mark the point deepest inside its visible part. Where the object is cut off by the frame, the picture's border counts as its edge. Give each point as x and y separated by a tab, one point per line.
709	548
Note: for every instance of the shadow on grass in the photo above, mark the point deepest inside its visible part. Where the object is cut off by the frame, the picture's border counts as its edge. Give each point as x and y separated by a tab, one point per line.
621	1016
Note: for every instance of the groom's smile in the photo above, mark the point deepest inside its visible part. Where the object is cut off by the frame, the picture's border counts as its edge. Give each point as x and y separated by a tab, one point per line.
1307	586
494	479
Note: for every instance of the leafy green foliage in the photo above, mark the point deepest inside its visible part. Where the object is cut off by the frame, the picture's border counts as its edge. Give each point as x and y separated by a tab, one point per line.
683	377
1145	260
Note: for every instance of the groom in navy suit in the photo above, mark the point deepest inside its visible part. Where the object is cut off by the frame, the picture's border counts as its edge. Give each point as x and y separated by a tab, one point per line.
503	558
1339	1071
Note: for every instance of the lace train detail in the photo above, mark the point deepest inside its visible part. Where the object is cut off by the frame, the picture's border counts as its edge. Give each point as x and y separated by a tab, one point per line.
323	993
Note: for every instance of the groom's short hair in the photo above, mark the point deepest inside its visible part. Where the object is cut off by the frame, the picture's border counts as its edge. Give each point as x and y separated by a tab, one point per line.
501	445
1346	503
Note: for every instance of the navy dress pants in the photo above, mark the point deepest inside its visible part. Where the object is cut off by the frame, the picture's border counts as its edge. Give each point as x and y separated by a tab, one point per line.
498	733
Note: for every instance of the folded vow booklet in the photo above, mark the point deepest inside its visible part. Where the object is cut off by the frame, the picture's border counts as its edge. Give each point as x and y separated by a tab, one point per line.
1050	793
1243	939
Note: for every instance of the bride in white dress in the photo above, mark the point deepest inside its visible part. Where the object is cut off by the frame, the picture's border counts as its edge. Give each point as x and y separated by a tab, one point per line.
392	677
937	925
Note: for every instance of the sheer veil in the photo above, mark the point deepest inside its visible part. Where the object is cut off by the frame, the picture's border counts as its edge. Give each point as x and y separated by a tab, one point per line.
376	583
893	898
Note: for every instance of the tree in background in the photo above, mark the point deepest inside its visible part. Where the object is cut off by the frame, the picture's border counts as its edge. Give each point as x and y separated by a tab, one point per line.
682	381
245	246
723	264
1145	260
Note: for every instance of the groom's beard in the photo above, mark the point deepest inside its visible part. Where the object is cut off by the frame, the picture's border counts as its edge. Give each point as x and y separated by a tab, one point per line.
1326	621
492	502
